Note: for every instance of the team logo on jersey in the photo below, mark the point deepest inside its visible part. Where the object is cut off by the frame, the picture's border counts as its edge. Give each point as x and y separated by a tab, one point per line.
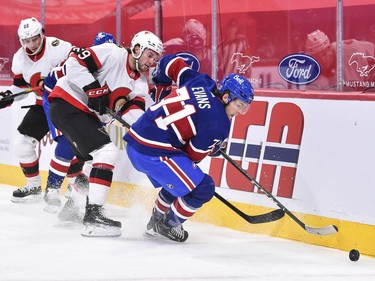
299	69
170	186
55	42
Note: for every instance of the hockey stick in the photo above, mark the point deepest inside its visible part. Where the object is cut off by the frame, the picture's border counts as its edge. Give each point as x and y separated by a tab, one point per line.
27	91
263	218
327	230
254	219
118	118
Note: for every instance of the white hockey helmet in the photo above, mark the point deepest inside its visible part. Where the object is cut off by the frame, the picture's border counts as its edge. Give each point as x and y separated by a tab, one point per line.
316	41
146	39
29	28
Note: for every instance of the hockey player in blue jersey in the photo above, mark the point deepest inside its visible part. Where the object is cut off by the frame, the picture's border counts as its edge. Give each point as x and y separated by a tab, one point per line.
178	132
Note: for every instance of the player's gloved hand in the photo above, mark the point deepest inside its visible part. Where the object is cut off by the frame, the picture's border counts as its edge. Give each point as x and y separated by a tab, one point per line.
216	150
158	93
5	99
98	97
158	74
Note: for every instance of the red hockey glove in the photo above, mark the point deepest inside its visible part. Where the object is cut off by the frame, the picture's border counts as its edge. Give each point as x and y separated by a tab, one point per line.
160	92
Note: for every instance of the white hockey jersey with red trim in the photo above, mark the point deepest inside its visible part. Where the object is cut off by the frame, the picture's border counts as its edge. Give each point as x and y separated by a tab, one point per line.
107	63
33	68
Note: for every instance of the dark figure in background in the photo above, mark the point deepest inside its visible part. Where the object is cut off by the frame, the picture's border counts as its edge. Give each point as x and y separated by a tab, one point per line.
194	40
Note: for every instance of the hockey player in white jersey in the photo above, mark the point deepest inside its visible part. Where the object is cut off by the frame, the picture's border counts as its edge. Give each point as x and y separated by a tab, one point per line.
70	213
31	63
64	154
97	78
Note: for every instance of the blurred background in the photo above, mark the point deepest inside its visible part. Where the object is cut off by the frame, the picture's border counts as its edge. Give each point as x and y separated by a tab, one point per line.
249	37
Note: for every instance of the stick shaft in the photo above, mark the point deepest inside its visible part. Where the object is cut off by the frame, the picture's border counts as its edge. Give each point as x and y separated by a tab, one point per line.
27	91
319	231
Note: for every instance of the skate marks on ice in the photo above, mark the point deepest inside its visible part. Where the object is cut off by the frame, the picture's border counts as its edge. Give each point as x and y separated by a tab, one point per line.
33	248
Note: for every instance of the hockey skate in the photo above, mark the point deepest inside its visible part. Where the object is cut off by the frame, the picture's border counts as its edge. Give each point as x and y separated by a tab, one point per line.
96	224
27	194
70	214
52	200
162	229
156	216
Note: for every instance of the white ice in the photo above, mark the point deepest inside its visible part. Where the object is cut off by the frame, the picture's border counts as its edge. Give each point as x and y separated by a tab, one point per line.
33	248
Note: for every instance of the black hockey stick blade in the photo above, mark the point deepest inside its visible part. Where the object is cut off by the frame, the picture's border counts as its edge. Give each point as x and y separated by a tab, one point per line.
27	91
327	230
254	219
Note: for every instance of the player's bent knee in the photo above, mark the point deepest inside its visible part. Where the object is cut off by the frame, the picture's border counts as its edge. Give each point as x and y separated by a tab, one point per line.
108	154
204	191
24	147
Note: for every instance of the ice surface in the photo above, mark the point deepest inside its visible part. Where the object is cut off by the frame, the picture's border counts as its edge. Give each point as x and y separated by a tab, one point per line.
32	247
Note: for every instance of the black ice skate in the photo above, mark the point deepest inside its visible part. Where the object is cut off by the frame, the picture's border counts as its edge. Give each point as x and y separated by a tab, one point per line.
96	224
176	233
52	200
27	194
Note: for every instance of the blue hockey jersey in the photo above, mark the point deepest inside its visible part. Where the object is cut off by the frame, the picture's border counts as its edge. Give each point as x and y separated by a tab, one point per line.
190	120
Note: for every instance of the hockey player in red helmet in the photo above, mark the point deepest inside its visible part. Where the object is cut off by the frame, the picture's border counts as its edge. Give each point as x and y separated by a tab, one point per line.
357	55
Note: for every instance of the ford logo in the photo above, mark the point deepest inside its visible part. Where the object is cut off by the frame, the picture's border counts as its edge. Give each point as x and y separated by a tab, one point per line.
299	69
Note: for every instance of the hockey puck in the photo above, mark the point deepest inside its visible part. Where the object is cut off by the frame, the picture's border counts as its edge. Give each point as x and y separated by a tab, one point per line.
354	255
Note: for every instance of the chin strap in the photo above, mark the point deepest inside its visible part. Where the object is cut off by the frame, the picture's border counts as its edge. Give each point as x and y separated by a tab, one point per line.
37	50
137	64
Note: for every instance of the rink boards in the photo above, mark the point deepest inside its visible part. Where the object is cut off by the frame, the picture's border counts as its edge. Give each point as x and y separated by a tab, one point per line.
313	151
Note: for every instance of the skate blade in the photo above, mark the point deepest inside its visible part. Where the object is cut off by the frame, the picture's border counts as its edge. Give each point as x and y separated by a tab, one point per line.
100	231
68	224
52	209
151	233
31	199
155	235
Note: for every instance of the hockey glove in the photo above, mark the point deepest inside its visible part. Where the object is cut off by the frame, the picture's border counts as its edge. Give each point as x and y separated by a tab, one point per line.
159	76
158	93
98	97
216	149
5	103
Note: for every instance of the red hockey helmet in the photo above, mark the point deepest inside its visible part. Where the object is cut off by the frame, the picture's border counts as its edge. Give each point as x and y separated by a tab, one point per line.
316	42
